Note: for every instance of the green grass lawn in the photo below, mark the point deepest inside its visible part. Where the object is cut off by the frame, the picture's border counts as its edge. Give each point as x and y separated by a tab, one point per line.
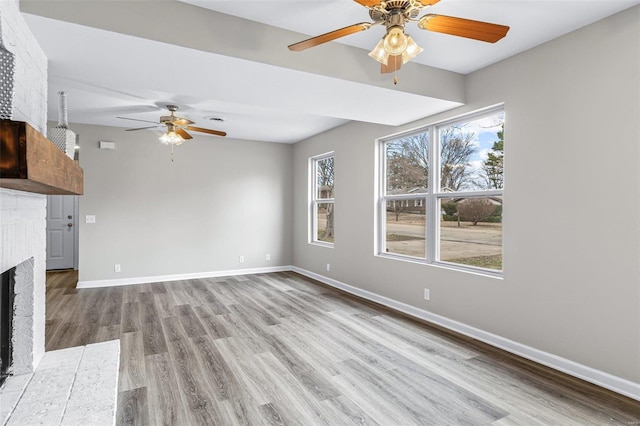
489	262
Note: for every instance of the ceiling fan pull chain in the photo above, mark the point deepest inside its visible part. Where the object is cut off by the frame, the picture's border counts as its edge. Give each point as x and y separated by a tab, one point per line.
395	79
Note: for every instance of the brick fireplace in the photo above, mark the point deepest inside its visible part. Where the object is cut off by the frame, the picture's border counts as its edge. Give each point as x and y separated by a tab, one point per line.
22	228
23	77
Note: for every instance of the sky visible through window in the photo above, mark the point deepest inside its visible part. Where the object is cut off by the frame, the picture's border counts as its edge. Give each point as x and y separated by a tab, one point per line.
486	133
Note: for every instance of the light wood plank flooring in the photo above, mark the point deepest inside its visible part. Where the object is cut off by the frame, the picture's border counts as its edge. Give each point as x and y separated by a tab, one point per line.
280	349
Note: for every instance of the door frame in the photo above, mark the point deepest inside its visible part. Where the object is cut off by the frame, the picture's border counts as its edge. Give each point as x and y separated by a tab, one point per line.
76	231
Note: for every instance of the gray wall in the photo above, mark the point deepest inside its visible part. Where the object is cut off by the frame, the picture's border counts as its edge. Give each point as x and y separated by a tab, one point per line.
219	199
571	282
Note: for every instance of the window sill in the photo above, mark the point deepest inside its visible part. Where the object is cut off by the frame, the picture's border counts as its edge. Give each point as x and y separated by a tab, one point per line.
321	244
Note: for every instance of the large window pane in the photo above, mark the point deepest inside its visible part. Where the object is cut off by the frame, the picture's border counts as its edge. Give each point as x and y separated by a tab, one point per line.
407	164
324	178
455	168
322	202
324	221
405	227
472	154
471	231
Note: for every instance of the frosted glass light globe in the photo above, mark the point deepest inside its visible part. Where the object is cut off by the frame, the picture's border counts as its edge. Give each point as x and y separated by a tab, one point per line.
395	41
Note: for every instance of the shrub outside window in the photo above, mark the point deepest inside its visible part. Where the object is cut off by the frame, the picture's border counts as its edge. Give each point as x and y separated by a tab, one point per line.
322	199
446	207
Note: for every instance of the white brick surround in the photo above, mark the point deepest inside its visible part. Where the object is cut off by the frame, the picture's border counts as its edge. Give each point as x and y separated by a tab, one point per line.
23	215
23	237
29	101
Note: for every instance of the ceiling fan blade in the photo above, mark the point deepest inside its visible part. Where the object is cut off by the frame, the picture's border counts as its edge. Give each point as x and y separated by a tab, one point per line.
184	134
393	64
468	28
314	41
140	128
369	3
203	130
428	2
137	119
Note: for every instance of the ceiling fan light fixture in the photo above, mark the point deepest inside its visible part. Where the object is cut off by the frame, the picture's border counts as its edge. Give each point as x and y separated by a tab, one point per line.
411	51
395	42
171	138
379	53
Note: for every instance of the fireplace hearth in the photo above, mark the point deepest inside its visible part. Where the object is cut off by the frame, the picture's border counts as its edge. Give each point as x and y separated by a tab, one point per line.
6	322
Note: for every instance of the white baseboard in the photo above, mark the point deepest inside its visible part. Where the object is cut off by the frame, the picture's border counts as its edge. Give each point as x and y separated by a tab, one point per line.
597	377
178	277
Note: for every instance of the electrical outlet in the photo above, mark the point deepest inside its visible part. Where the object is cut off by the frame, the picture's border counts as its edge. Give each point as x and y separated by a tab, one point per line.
268	257
328	266
427	294
241	259
116	267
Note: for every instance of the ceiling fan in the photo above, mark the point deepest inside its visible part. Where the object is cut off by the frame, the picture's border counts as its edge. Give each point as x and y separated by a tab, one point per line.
177	127
397	47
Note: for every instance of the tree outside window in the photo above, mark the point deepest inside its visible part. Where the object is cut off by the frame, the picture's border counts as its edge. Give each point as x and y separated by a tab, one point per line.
322	205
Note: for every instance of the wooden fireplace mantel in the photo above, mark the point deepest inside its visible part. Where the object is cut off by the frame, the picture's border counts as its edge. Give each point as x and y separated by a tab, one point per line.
32	163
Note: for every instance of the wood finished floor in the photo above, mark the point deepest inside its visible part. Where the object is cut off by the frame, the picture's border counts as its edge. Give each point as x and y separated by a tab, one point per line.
280	349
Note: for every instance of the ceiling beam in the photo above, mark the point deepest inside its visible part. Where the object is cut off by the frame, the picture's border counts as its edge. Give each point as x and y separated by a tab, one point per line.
184	25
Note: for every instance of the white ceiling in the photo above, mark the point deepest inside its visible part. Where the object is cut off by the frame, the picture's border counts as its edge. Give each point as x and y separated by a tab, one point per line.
117	67
532	22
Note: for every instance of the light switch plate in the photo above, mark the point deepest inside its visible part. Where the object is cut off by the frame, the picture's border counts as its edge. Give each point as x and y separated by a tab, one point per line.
107	145
90	218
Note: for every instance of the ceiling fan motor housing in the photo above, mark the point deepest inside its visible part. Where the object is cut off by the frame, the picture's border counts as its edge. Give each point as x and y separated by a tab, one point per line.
394	13
169	119
397	4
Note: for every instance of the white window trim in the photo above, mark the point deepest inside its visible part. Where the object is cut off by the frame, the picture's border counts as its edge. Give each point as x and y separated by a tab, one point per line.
432	197
314	200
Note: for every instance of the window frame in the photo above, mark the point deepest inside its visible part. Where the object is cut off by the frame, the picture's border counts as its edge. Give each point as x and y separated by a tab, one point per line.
432	198
315	200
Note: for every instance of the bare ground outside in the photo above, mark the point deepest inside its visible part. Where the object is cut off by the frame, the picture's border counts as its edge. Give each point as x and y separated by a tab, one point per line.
464	243
467	244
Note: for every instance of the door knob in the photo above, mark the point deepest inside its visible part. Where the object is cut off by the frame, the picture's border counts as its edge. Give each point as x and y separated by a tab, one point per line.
69	225
69	217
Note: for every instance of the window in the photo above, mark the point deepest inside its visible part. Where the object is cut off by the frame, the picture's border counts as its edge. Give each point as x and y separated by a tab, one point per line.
441	193
322	205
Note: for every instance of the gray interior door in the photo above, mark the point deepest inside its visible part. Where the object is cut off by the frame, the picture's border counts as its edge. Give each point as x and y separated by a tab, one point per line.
61	226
